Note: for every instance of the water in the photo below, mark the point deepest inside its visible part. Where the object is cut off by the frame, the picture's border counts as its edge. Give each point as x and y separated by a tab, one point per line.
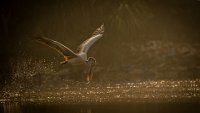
105	108
37	87
79	97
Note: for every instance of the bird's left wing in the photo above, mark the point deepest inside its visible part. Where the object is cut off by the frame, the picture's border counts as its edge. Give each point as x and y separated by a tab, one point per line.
85	46
63	50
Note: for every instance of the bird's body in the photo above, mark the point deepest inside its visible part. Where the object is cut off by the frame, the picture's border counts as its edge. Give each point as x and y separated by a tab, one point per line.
80	59
76	58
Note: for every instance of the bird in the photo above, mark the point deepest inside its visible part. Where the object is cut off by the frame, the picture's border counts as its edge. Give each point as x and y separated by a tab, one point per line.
76	58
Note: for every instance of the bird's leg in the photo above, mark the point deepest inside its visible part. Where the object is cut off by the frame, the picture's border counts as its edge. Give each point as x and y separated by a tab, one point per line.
63	62
66	58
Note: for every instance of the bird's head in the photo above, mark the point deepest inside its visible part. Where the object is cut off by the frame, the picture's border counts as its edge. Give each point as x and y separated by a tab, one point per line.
91	61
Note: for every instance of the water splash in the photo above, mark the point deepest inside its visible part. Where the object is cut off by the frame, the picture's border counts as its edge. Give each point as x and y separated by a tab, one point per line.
29	73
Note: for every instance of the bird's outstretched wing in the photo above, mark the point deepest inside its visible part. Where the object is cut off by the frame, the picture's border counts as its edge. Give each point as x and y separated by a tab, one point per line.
97	34
63	50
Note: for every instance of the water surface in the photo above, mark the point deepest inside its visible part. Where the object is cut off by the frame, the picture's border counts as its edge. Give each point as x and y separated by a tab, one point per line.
79	97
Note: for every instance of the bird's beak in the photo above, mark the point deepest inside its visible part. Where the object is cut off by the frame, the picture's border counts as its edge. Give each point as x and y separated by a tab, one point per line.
90	74
88	78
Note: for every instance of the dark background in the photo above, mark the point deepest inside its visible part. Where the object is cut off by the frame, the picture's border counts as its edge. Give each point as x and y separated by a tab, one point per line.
144	39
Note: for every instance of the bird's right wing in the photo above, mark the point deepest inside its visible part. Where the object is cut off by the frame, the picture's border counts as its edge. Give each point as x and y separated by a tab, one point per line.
97	34
63	50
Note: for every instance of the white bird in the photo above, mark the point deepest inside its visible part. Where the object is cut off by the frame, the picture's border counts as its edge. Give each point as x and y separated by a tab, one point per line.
81	56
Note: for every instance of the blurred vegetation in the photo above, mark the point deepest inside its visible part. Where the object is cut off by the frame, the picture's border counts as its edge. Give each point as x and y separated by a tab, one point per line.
155	60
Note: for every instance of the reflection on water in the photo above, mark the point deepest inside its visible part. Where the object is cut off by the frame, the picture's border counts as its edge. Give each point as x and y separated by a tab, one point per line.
80	92
105	97
104	108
